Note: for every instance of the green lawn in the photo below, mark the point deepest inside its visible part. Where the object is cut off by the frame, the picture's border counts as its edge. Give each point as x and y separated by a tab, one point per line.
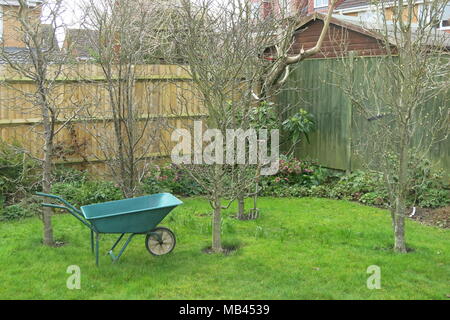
299	249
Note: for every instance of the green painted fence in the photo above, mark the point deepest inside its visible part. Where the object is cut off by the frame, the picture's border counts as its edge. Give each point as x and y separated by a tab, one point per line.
312	86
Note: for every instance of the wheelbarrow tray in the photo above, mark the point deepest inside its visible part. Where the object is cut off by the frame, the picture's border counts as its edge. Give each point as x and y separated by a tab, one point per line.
137	215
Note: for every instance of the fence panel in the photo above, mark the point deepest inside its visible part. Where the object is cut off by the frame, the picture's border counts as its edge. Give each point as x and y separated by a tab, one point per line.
164	91
312	87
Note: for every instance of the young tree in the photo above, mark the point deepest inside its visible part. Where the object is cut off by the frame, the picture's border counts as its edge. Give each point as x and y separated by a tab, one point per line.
283	61
225	46
277	73
404	98
125	36
41	62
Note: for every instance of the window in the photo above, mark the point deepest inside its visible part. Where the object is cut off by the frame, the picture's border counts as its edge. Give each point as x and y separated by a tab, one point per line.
443	23
255	9
372	17
445	19
320	3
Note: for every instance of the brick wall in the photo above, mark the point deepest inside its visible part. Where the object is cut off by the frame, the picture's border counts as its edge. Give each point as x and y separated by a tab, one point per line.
11	33
307	6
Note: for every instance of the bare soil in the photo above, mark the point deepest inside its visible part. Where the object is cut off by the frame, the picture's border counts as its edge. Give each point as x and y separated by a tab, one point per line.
226	250
439	217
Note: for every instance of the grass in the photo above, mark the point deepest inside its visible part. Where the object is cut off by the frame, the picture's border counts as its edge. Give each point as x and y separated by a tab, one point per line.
298	249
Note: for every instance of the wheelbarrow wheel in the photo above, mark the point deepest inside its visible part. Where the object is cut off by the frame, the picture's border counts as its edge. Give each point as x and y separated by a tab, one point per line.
160	241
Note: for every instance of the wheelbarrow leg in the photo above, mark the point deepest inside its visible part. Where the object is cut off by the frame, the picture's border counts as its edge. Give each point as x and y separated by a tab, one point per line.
116	243
97	240
92	241
115	258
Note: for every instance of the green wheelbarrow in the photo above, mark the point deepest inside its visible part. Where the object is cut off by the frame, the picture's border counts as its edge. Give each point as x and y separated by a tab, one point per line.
136	216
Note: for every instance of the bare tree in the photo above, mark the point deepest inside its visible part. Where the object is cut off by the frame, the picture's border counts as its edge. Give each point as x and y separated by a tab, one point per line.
125	36
41	62
226	46
403	96
280	53
283	61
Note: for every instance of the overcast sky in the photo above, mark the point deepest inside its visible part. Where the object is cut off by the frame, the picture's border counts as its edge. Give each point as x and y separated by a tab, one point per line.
70	17
71	13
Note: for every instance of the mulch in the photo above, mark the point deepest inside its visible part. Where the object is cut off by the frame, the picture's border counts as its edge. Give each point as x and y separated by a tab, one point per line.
439	217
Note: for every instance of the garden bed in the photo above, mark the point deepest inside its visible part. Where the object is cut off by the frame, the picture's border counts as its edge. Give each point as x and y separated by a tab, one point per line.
439	217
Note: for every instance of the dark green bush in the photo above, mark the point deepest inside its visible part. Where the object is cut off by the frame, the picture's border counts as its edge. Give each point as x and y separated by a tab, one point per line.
69	175
19	174
303	179
26	208
434	198
170	178
357	184
429	188
87	192
295	178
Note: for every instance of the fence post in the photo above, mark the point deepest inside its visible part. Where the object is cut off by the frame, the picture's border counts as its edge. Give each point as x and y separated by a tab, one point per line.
349	123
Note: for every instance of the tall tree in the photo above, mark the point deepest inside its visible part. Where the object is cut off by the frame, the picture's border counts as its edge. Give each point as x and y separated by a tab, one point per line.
126	35
224	45
404	97
41	62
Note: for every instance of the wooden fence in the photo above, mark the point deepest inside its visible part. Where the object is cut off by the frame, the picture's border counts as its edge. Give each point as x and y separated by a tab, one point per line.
165	90
168	91
338	124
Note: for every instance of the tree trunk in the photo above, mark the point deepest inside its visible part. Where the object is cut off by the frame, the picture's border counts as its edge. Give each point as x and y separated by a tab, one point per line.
216	225
399	233
217	215
241	207
400	202
46	182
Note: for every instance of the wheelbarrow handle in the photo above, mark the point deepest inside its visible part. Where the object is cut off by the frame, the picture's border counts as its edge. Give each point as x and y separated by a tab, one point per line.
59	199
67	206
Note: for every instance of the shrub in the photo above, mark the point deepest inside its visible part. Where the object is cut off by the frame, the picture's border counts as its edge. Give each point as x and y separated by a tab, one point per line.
300	124
429	188
357	184
87	192
24	209
19	174
433	198
170	178
295	178
303	179
374	199
69	175
320	191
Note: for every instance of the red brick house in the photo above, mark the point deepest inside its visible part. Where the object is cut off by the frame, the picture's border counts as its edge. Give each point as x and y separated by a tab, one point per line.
346	33
11	39
364	9
9	23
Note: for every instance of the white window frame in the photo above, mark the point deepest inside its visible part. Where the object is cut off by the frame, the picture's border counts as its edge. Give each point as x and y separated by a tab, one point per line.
320	3
1	23
440	23
255	9
440	27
